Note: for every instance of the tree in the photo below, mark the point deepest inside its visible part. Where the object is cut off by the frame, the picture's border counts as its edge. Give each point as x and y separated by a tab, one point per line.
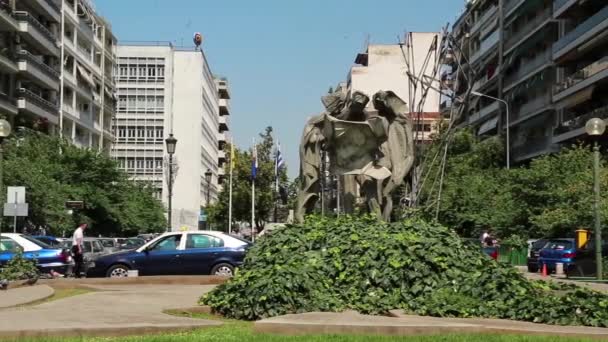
241	186
54	171
549	197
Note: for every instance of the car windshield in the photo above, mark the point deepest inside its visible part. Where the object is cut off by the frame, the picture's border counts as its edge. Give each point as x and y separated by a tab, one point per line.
8	245
559	244
539	244
37	242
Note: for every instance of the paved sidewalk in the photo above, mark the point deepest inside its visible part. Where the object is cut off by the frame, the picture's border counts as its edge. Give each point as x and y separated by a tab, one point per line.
602	287
113	311
24	295
354	323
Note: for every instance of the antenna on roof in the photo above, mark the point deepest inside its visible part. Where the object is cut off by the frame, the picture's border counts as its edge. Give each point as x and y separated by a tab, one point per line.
366	41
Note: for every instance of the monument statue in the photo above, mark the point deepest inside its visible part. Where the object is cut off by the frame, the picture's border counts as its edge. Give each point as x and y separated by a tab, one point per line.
373	149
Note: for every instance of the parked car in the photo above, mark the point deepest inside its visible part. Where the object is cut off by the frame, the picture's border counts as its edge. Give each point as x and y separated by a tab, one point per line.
183	253
110	245
146	237
132	243
47	258
92	248
50	240
534	251
557	251
583	262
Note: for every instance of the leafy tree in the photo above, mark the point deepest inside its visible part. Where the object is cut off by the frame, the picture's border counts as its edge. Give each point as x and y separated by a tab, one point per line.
241	186
552	196
54	171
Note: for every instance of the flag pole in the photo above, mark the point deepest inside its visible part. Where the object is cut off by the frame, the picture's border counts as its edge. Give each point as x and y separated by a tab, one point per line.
253	175
276	180
230	193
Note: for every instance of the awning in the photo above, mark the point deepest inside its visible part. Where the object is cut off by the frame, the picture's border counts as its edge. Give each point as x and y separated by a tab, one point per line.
576	98
488	126
85	75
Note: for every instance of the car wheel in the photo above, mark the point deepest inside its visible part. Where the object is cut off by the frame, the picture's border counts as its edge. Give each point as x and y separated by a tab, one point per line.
532	269
118	271
225	270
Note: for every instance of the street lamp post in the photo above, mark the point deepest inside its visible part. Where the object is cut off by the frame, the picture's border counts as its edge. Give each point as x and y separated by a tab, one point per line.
5	131
595	128
508	152
171	142
208	176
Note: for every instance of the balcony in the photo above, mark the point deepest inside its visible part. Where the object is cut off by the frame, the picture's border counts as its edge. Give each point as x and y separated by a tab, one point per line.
223	123
561	6
490	13
221	155
484	112
37	34
33	104
582	79
527	30
7	63
7	20
536	105
49	8
7	104
223	90
224	107
529	67
36	70
486	79
221	137
486	45
575	127
533	147
583	32
512	5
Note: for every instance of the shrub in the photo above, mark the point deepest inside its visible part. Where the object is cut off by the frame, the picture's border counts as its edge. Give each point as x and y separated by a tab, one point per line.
19	268
374	267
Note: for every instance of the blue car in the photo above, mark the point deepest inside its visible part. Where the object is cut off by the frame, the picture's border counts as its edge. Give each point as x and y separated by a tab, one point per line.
50	240
47	258
176	253
557	251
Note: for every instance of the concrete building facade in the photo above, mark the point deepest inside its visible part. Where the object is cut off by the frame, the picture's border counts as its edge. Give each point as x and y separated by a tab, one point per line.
547	59
166	90
386	67
56	69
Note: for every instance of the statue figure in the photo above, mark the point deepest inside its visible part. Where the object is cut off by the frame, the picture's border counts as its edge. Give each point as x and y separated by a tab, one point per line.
374	150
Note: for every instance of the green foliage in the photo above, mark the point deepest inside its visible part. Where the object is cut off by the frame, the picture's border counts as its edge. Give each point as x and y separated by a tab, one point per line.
552	196
241	186
54	171
19	268
373	267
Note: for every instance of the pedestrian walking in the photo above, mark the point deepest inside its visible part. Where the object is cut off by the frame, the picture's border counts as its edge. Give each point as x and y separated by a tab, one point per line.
77	249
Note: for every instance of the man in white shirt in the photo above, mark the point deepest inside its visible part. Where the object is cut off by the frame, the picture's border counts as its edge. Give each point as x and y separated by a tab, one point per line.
77	249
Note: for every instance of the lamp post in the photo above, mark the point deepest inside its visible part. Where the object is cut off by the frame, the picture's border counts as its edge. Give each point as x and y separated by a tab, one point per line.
171	142
508	123
208	176
595	128
5	131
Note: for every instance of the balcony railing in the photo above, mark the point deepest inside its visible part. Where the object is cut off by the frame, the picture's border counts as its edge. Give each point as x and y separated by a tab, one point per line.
527	28
574	123
36	99
53	5
484	18
25	16
527	66
25	55
581	29
486	45
511	4
534	105
532	145
582	75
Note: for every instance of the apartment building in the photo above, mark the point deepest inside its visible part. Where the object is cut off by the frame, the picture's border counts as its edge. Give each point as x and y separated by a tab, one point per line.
386	67
165	90
545	58
56	62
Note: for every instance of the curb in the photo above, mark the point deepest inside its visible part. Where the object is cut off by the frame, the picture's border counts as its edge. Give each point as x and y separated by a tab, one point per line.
29	302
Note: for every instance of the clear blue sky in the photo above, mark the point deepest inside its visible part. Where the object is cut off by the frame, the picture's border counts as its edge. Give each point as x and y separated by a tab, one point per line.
280	56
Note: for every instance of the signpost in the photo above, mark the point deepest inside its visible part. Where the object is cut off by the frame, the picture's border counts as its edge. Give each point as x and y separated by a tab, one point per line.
15	206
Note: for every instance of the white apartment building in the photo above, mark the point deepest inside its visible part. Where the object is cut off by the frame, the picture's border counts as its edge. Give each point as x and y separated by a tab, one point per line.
166	90
386	67
56	64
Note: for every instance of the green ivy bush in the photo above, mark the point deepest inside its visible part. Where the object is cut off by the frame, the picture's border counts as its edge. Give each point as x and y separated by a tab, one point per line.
19	268
374	267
